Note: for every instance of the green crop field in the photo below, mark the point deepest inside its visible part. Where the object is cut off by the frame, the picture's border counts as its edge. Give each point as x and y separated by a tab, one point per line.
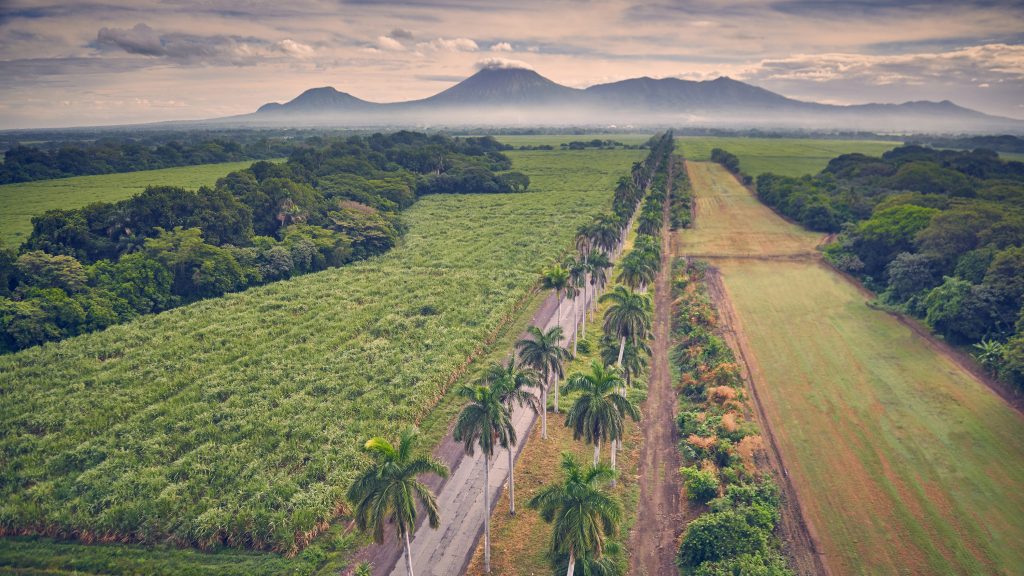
238	420
903	462
20	202
786	156
557	139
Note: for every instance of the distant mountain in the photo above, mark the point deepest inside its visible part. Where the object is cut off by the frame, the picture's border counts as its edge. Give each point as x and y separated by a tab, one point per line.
496	96
318	100
504	87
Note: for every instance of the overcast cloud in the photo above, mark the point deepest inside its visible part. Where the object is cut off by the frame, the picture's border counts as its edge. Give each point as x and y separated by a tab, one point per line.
123	61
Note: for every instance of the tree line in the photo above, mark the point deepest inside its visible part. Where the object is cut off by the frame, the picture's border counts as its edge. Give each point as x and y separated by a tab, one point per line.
584	514
333	202
24	163
938	234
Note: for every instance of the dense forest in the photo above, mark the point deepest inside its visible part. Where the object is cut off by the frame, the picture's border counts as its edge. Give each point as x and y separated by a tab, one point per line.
335	200
937	233
111	155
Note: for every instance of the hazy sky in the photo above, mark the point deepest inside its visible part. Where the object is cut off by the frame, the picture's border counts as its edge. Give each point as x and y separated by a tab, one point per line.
83	62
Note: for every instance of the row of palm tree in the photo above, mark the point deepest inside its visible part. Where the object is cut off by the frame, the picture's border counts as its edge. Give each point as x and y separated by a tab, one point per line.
581	509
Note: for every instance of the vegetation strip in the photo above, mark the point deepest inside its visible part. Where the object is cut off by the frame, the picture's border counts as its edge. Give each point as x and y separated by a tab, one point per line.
859	404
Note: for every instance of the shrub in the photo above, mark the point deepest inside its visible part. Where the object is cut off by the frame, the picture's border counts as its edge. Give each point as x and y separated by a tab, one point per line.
720	536
701	485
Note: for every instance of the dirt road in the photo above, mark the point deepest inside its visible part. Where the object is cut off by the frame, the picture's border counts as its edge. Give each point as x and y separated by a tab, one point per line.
660	518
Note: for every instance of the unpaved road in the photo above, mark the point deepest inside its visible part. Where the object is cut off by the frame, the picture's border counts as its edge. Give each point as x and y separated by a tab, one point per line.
660	518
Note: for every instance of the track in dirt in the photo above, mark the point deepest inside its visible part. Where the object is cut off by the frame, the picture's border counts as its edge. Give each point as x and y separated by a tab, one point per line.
661	516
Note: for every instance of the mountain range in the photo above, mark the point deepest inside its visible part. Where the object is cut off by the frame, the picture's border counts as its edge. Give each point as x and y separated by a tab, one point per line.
502	96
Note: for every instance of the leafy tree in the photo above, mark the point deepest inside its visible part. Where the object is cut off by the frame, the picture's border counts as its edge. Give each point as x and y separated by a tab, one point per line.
387	491
485	422
144	282
543	352
720	536
701	485
1005	276
583	514
910	274
888	233
200	270
960	311
42	270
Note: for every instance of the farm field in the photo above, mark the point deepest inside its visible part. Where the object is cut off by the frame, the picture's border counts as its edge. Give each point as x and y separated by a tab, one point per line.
20	202
556	139
238	420
784	156
903	462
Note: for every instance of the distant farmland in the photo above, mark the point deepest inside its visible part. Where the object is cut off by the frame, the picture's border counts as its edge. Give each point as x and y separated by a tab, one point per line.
20	202
785	156
238	420
903	462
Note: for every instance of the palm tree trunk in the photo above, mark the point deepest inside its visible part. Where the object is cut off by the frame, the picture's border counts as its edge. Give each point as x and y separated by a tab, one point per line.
511	483
408	552
622	350
556	395
614	444
487	515
544	409
597	452
572	564
575	324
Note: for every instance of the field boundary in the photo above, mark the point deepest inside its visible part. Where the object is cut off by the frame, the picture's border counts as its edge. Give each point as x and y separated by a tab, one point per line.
801	543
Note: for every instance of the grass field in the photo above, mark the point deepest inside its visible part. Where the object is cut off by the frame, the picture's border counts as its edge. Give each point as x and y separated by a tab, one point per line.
785	156
903	462
239	419
20	202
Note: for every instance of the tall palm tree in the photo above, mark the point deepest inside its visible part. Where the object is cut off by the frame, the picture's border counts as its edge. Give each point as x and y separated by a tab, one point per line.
543	351
578	269
636	270
629	316
556	278
599	412
388	490
512	382
607	232
582	512
634	357
485	422
599	266
571	292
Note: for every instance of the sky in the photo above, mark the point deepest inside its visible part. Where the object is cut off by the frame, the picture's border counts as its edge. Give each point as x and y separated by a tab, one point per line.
103	62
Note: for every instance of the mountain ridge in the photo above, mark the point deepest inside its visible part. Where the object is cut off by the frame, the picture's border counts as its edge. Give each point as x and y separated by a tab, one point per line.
496	95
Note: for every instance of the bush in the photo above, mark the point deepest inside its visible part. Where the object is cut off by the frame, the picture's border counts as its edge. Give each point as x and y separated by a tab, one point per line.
701	485
720	536
760	564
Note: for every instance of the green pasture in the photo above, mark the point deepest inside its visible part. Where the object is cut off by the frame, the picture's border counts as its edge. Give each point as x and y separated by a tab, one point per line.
785	156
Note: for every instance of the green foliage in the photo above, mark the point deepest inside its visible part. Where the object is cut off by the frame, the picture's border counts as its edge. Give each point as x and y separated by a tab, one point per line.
701	485
237	421
719	536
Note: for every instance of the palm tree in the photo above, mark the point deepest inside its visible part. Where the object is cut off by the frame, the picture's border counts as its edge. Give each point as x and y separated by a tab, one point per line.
578	269
607	232
485	422
634	357
989	354
583	514
543	352
599	266
629	316
556	278
512	383
636	270
388	490
599	412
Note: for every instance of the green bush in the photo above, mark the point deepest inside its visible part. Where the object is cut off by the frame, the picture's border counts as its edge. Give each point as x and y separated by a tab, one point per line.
760	564
720	536
701	485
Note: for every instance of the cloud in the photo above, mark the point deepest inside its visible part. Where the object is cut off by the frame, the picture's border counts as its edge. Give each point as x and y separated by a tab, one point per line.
989	62
390	44
191	48
450	45
501	47
501	64
401	34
